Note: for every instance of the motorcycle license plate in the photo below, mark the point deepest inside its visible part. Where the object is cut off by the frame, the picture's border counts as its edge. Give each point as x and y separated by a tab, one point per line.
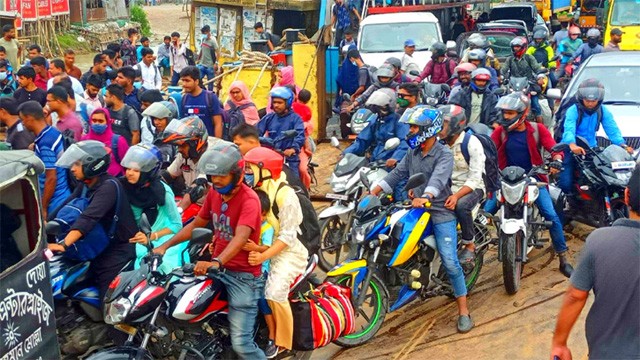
623	165
337	196
126	329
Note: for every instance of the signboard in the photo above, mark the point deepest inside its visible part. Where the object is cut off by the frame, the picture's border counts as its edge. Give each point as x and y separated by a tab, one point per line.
59	7
44	8
243	3
29	12
14	6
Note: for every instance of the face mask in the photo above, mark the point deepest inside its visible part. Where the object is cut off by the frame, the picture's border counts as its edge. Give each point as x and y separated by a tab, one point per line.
403	102
593	42
249	179
3	76
137	84
99	128
203	37
226	190
354	63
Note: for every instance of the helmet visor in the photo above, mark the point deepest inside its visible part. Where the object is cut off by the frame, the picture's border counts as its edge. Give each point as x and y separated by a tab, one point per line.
591	93
74	154
138	158
510	103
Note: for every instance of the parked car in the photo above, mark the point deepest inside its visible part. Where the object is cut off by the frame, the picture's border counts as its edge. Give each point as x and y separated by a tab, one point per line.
525	11
516	27
620	76
499	42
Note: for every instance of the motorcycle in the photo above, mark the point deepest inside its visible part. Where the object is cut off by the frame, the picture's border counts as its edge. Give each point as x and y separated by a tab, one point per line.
519	222
601	177
396	252
434	94
347	188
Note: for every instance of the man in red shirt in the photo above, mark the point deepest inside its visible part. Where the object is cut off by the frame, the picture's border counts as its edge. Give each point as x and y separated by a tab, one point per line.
234	210
39	64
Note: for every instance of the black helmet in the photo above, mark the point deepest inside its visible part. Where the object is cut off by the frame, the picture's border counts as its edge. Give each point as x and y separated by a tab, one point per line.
92	154
478	41
518	102
438	49
590	89
385	71
455	116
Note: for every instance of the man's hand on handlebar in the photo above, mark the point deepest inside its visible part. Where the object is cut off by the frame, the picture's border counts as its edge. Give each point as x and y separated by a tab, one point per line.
160	250
56	248
391	163
202	267
420	202
289	152
555	167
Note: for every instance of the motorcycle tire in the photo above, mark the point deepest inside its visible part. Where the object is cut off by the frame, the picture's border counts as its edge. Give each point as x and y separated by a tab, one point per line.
330	255
378	300
511	268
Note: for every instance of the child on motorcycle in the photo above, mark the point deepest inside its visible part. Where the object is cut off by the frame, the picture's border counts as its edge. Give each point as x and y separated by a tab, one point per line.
149	195
287	254
590	95
427	155
516	142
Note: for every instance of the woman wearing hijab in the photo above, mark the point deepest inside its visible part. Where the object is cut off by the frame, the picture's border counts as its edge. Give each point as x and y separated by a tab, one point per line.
100	130
239	98
149	195
283	78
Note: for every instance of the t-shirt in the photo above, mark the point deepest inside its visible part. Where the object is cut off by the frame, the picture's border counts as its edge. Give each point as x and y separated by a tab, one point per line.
610	266
199	106
11	48
125	121
518	150
186	169
560	35
19	137
48	148
302	110
70	121
242	209
208	47
38	95
476	107
41	82
364	79
74	72
267	233
132	100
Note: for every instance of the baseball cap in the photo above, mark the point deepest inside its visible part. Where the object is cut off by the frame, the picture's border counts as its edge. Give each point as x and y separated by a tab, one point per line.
616	31
409	42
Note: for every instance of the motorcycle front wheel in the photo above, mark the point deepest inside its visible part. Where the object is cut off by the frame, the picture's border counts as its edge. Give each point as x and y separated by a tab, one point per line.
511	248
332	251
370	315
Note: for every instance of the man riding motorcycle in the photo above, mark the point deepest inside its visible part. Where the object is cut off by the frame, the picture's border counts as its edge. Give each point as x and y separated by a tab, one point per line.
543	52
440	68
430	157
479	41
584	119
478	57
517	146
463	75
592	47
408	97
567	48
381	128
234	210
478	103
384	79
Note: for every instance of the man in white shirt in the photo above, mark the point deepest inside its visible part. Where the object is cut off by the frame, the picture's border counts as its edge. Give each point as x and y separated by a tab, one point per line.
177	57
150	74
57	68
408	63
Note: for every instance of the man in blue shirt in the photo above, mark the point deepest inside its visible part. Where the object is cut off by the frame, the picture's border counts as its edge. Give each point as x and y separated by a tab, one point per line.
590	48
583	119
125	78
48	147
202	103
341	18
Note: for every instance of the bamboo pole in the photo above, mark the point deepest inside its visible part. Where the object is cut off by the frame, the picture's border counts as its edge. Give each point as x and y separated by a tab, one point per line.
264	67
221	75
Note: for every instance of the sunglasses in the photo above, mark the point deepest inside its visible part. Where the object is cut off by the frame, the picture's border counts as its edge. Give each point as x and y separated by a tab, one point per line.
402	96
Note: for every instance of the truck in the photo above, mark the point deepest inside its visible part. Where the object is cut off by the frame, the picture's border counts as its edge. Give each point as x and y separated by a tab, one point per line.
547	8
624	15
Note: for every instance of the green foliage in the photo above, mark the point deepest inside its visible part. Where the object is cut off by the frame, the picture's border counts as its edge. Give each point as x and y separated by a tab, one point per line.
138	15
70	41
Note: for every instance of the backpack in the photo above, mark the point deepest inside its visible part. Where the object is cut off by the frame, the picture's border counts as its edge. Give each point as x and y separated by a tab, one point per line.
559	129
191	58
68	139
114	147
491	175
447	63
232	118
97	240
310	228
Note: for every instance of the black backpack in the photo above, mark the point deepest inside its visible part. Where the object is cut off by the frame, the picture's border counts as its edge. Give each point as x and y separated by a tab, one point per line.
68	139
232	118
491	176
191	58
310	228
559	129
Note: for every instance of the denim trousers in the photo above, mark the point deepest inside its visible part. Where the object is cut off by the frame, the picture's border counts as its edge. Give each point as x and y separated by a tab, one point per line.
175	77
243	292
565	179
447	244
463	211
209	72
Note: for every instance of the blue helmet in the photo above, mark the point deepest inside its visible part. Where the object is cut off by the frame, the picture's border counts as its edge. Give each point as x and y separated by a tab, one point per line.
428	119
145	158
283	93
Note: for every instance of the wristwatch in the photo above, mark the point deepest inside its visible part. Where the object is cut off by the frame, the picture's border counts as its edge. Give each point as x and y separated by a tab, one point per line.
180	210
64	246
217	260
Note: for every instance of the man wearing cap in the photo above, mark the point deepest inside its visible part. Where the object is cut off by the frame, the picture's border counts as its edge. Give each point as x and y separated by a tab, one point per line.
408	63
616	39
264	35
209	54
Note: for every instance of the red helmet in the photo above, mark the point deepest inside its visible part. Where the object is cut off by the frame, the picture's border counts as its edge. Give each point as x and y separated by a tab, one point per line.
264	159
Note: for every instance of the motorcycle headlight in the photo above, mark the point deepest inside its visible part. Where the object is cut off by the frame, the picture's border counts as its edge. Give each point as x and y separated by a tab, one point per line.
117	311
513	193
339	184
432	101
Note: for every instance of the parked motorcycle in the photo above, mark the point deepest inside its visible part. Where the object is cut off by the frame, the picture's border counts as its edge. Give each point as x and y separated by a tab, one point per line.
601	177
519	222
396	250
347	188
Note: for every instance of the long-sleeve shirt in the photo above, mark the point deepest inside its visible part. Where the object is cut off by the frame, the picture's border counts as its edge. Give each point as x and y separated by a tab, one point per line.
526	66
178	58
163	52
273	126
371	89
589	126
585	51
467	174
374	136
568	46
438	73
151	76
437	166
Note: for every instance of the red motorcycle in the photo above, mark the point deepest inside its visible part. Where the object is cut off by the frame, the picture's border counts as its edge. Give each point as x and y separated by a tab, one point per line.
189	213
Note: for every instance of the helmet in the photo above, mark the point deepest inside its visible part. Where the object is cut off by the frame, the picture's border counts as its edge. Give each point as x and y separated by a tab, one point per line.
590	89
161	110
283	93
382	99
522	43
438	49
223	159
189	130
516	101
428	119
480	74
145	158
574	30
593	33
477	41
394	61
540	34
477	54
92	155
361	118
385	71
464	67
456	117
264	162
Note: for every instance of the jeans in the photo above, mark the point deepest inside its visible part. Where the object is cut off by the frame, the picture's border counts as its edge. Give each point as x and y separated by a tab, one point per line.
243	292
463	213
565	179
209	72
535	105
175	77
447	244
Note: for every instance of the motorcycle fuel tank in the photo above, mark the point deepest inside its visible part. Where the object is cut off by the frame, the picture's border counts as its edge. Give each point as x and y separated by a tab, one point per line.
193	299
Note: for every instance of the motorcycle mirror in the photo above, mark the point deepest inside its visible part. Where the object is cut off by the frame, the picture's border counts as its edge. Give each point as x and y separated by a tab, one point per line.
446	88
559	147
365	180
201	235
391	144
414	73
500	91
415	180
266	142
334	142
144	225
554	94
52	228
290	134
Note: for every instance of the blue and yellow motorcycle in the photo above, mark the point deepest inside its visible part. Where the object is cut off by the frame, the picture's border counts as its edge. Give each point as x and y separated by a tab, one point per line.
397	260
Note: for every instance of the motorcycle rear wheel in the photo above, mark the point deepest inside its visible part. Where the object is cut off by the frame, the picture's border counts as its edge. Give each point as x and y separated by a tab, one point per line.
511	267
377	300
331	252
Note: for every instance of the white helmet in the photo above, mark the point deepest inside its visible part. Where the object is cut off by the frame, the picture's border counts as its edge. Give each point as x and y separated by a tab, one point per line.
383	98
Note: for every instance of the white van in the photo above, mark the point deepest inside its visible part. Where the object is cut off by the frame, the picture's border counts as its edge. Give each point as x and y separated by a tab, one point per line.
383	35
